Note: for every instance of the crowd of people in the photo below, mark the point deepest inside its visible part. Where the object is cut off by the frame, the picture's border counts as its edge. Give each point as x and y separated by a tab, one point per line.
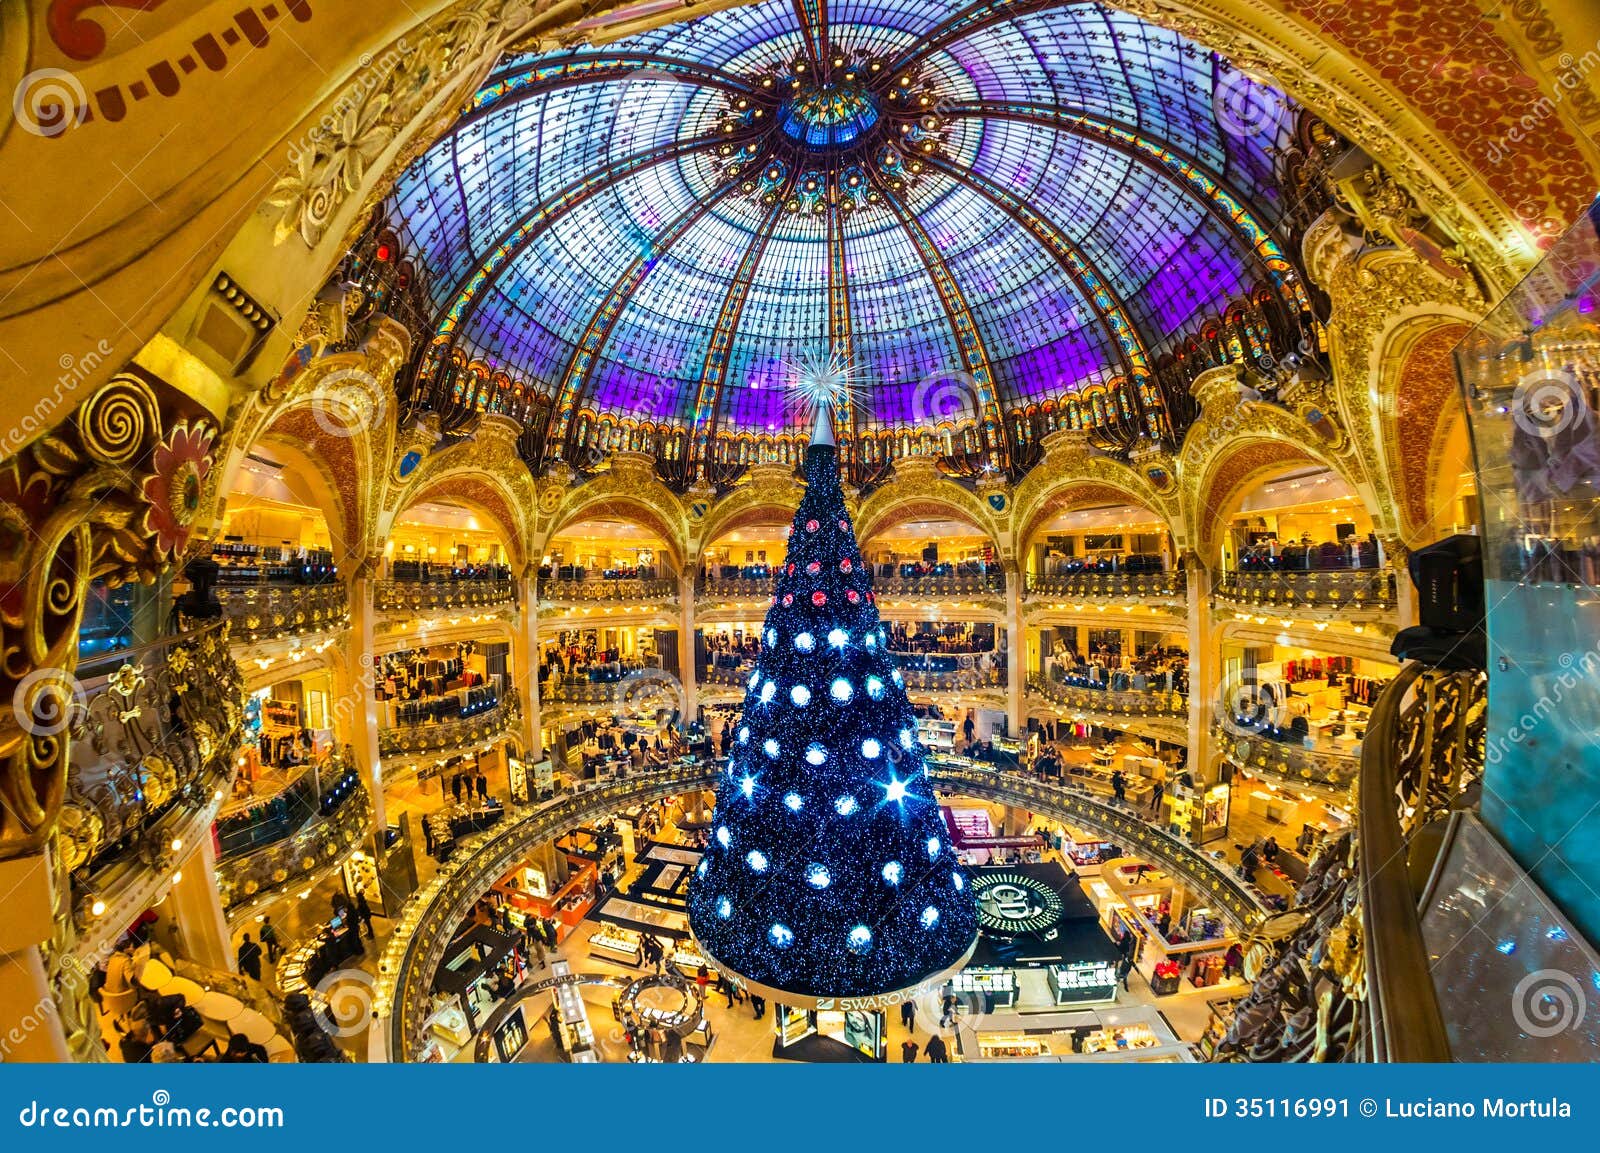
1105	666
1306	555
587	661
952	639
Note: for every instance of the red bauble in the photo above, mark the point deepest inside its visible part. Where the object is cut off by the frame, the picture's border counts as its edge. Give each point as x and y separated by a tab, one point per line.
845	565
814	568
844	526
853	596
788	599
872	598
811	526
791	568
819	598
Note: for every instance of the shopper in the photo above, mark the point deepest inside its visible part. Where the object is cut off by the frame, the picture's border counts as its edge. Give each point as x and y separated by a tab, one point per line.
483	787
455	787
1249	861
1269	852
908	1014
702	977
364	914
1119	786
1155	797
938	1054
908	1050
250	958
949	1008
1233	961
759	1005
269	938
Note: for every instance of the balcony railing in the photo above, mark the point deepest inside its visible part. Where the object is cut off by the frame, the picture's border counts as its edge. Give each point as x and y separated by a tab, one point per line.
1277	590
429	596
154	741
264	612
941	587
1085	585
245	823
1255	752
451	735
725	674
973	678
609	590
736	588
1129	703
155	731
284	864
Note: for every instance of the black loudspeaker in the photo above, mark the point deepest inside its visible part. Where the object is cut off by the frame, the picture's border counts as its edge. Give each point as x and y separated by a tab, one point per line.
1448	577
200	602
1449	580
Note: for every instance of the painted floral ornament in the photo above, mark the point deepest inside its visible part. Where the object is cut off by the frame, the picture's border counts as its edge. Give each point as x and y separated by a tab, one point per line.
176	482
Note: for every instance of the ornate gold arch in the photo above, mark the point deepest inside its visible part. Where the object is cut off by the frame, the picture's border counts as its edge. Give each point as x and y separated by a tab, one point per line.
484	473
630	492
919	492
1267	440
1073	472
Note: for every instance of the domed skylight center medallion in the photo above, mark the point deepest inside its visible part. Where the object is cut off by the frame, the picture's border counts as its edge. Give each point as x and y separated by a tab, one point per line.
839	137
828	116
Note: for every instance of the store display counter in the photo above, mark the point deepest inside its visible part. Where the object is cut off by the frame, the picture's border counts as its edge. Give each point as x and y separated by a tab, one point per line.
1136	1033
615	943
997	986
1087	982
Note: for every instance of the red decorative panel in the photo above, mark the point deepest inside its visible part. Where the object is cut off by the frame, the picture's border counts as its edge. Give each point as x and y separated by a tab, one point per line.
1427	395
1446	58
305	431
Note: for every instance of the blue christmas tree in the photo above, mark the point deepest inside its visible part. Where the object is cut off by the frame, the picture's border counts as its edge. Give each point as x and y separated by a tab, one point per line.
829	872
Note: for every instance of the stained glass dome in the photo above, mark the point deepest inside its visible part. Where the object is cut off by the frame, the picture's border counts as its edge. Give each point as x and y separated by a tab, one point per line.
1033	199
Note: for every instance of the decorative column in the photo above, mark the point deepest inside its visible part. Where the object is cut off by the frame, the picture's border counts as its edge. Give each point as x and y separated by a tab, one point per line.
30	1027
1394	561
1205	666
686	644
197	910
1016	713
525	654
358	692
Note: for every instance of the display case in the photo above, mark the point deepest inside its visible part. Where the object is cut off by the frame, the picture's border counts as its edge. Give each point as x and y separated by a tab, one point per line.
1013	1046
615	943
450	1024
688	958
1110	1038
993	982
793	1025
1083	983
569	1019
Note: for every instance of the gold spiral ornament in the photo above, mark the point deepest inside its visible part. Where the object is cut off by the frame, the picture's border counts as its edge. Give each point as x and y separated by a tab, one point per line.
116	423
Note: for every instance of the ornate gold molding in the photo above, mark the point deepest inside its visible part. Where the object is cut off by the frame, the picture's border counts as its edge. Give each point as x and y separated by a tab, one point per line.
112	493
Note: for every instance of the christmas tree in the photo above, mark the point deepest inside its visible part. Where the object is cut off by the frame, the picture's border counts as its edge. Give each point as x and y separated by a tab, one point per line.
829	872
